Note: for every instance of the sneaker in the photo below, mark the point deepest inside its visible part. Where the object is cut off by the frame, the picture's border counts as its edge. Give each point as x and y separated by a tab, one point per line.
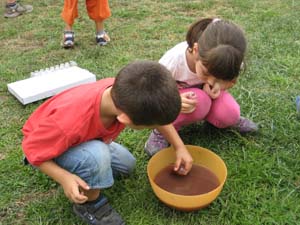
155	143
102	38
245	125
68	39
17	10
98	212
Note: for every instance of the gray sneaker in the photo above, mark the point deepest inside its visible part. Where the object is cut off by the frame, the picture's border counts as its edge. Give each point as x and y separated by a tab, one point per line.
17	10
245	125
155	143
98	213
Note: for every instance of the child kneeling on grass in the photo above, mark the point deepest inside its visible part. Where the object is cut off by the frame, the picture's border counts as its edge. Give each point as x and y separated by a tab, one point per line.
70	136
205	66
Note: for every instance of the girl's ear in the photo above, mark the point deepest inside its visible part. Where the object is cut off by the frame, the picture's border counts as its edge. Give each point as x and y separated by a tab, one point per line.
123	118
195	48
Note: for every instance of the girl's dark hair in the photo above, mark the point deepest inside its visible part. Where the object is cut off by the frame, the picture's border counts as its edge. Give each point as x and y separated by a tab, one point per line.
222	46
147	93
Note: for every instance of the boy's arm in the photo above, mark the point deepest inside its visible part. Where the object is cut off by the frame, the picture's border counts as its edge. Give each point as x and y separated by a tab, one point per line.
184	160
71	183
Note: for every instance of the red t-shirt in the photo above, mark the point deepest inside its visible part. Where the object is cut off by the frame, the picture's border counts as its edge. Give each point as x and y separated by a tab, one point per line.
66	120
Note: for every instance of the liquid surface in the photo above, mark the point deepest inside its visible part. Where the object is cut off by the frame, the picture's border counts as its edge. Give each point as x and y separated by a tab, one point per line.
199	180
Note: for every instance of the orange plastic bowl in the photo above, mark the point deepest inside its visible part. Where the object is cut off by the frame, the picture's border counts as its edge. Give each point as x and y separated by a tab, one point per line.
201	156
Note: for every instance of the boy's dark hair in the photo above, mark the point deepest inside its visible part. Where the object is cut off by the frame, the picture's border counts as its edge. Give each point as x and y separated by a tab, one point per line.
222	46
147	93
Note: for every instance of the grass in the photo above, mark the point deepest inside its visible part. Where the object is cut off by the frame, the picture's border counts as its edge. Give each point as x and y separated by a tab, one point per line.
263	185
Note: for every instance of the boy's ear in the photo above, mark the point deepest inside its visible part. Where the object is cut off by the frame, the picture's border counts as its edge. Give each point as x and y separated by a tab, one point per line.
123	118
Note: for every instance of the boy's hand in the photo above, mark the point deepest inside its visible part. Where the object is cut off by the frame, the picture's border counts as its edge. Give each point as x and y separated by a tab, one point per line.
72	184
188	102
184	161
73	187
213	91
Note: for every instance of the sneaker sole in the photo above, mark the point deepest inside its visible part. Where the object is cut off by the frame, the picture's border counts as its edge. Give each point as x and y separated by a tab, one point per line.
16	14
102	44
12	15
67	46
85	219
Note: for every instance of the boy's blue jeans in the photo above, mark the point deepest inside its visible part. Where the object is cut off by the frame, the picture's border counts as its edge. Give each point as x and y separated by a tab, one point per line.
97	163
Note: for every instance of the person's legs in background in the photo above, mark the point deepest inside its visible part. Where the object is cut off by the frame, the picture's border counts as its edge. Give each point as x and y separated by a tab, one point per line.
69	13
14	9
99	11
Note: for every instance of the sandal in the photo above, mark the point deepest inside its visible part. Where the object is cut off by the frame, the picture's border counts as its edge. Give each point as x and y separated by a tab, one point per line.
98	212
68	39
102	38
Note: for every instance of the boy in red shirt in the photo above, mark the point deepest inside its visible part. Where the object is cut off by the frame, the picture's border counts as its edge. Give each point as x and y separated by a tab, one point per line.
69	137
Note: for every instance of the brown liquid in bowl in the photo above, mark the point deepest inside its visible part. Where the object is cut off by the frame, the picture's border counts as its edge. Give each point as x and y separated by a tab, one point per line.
199	180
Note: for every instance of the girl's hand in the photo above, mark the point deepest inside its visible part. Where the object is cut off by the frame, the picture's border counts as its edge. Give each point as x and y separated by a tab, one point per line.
213	91
228	84
73	188
188	102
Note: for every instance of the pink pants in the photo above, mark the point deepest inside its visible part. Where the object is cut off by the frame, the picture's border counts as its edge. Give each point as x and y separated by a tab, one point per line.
221	112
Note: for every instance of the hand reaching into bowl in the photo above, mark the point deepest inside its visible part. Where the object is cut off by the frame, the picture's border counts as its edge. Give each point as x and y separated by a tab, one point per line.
184	162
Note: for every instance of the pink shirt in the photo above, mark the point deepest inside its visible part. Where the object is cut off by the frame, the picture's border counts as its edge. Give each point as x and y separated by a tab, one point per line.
175	60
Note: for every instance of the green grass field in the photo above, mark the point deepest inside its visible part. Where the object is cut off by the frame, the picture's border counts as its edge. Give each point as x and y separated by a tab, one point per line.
263	184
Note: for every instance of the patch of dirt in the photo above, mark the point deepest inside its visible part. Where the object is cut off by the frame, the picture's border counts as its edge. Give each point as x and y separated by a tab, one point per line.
23	43
2	156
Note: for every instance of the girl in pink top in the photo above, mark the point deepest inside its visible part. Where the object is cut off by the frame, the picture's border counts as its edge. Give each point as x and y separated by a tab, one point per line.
205	66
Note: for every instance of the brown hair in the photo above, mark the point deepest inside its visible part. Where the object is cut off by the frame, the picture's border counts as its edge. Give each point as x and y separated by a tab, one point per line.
147	93
222	46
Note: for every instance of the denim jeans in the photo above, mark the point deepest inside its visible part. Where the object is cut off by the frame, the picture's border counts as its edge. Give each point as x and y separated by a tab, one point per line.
97	163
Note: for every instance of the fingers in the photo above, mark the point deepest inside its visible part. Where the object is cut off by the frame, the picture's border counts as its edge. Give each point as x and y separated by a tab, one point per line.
187	167
183	163
213	92
188	102
189	95
75	188
78	193
78	196
179	167
206	88
82	184
186	108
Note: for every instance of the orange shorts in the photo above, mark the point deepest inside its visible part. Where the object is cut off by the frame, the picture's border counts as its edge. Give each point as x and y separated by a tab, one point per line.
98	10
